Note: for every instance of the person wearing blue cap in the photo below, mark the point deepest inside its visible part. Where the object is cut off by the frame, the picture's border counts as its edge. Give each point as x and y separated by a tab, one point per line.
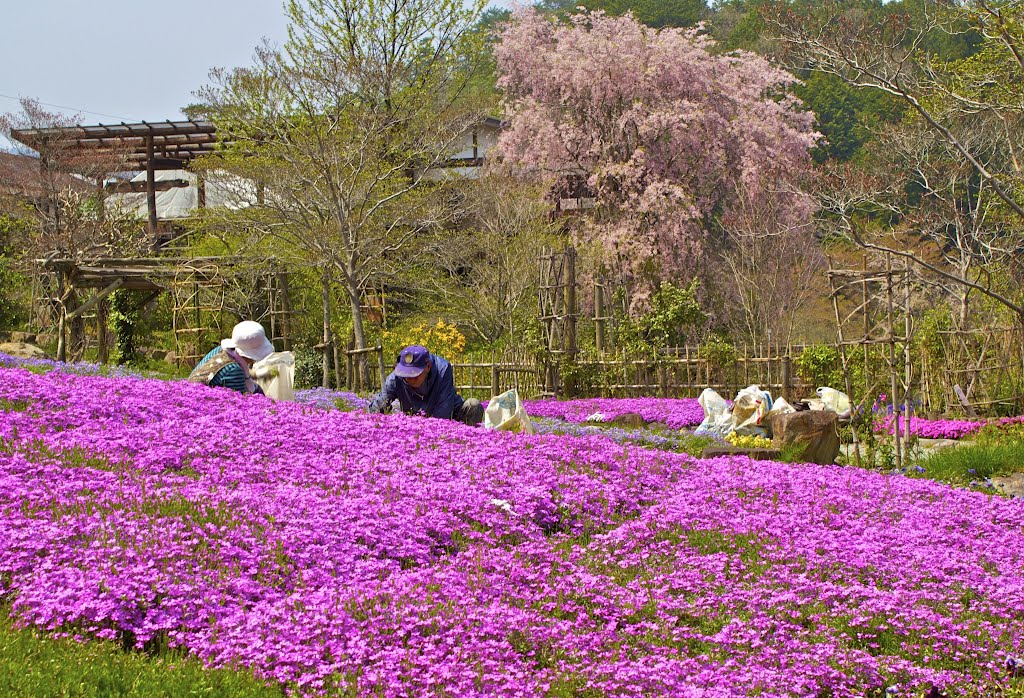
423	383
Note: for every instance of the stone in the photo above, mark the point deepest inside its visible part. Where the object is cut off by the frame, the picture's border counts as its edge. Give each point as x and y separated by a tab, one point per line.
930	445
171	357
1012	485
23	350
23	338
628	420
817	430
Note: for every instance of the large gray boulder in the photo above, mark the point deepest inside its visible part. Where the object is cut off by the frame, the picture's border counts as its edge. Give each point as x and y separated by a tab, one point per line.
23	350
816	430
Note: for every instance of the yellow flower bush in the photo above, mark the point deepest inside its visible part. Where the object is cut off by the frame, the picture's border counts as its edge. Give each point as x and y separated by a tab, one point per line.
748	441
441	338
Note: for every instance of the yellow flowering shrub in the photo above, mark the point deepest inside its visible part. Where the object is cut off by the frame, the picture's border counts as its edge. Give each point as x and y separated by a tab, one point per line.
441	338
748	441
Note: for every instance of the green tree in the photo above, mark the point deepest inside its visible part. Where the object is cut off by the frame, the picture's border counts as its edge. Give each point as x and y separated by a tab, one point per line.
655	13
329	138
845	115
671	319
12	281
971	105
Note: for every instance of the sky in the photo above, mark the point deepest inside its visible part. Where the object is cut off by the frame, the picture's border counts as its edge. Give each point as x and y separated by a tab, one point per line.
125	61
138	60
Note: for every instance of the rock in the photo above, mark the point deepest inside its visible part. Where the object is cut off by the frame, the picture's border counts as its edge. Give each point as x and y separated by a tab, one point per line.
23	338
817	429
1012	485
930	445
171	357
23	350
628	420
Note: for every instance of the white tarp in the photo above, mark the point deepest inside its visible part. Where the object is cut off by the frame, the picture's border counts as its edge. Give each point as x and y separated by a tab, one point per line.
222	191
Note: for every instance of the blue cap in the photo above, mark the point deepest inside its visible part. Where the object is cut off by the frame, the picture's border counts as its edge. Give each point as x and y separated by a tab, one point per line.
412	361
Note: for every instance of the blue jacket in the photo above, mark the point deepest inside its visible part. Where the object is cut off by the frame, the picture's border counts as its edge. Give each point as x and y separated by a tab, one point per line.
435	398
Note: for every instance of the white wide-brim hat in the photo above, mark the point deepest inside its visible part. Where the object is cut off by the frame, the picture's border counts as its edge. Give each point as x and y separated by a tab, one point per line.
249	340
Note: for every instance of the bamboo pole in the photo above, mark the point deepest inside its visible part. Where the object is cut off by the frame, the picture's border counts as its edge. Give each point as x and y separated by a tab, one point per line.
907	366
843	358
326	298
891	326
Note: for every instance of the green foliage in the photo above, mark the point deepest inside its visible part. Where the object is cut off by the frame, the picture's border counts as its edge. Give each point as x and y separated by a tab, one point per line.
580	379
308	368
674	312
654	13
123	320
35	664
821	365
12	308
976	461
737	24
844	114
718	352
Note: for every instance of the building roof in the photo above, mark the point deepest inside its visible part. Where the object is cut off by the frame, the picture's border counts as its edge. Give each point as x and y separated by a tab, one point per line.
173	142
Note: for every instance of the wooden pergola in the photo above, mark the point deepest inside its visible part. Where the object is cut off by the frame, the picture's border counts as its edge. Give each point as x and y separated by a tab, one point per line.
149	146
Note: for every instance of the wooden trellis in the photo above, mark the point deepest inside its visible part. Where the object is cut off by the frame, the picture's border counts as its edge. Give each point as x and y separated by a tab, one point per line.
979	370
198	311
873	313
210	295
558	313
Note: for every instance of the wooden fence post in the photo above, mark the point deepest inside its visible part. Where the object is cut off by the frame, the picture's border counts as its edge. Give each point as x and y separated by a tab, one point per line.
326	299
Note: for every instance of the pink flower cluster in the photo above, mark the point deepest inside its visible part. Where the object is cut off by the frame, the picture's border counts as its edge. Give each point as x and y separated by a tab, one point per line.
388	555
674	413
939	428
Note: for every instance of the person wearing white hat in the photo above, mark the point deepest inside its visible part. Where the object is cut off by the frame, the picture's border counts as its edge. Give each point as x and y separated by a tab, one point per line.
228	365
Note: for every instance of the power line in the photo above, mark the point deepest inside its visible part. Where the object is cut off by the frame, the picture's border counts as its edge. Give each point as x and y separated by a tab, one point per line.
60	106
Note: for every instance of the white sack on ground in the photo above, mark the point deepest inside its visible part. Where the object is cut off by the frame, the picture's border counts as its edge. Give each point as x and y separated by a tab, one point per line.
505	412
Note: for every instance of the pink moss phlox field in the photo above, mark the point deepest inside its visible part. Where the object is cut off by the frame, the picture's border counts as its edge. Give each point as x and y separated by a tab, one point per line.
940	428
390	555
673	413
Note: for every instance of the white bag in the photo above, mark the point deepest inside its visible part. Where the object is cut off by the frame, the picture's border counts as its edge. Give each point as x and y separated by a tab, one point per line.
506	413
835	400
717	417
781	406
749	410
276	375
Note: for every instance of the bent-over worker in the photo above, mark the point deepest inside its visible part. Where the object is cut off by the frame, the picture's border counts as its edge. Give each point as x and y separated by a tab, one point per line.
422	383
229	365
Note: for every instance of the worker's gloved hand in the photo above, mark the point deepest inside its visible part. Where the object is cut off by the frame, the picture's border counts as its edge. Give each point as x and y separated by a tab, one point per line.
265	372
